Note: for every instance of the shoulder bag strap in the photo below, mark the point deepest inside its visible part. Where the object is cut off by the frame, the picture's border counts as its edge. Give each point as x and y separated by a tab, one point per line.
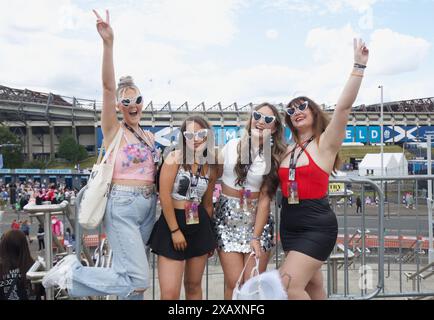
114	145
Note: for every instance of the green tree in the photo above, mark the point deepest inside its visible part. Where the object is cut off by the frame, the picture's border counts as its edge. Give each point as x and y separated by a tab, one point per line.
12	155
70	150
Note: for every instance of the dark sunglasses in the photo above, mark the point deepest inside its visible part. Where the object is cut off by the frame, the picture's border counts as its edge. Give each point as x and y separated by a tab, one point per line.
126	102
267	119
302	107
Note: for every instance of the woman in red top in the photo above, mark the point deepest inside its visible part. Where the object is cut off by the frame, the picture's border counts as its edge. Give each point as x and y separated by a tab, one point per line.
309	227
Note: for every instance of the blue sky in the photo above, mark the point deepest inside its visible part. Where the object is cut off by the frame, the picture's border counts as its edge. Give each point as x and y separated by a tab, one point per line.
221	50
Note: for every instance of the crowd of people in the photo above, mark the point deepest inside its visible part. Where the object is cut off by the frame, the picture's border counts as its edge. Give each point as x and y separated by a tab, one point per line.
15	256
17	195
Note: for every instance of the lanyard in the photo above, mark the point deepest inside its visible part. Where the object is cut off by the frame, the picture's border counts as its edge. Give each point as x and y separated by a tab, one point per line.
194	181
151	148
292	163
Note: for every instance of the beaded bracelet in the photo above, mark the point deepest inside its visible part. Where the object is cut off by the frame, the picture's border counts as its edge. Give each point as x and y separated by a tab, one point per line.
357	75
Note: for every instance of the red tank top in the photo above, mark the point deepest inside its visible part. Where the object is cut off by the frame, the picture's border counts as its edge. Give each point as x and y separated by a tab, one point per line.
312	181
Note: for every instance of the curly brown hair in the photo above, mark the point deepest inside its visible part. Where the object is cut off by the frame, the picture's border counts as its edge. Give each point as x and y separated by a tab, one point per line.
320	122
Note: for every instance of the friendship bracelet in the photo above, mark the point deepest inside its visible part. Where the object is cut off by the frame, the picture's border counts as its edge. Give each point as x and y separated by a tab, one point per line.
177	229
359	66
357	75
256	238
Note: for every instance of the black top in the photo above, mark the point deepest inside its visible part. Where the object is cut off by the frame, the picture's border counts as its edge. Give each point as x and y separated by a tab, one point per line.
13	288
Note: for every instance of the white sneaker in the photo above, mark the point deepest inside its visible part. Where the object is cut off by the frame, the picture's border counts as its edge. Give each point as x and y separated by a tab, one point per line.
58	274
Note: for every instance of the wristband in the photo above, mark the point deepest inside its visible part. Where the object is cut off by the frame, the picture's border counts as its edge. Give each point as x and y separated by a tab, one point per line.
172	232
359	66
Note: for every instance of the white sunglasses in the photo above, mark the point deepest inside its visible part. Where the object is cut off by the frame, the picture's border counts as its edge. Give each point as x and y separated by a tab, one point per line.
302	107
201	134
126	102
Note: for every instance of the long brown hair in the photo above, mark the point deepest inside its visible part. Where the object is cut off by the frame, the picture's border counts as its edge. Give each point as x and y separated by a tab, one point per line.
320	122
271	180
208	152
15	253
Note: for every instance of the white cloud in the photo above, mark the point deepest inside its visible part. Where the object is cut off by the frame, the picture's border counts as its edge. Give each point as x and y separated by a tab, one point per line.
48	16
192	22
320	6
59	50
272	34
331	45
392	53
53	44
291	5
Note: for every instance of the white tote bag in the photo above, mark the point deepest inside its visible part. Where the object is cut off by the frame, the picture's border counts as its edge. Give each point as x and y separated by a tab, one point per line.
95	195
264	286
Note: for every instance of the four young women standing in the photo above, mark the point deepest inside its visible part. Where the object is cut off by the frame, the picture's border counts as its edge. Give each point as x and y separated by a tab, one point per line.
189	229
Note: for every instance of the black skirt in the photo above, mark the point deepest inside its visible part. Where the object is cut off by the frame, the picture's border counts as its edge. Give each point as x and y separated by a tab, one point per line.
310	228
200	237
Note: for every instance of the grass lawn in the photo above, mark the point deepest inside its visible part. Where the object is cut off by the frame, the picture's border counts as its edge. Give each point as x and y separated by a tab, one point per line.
88	163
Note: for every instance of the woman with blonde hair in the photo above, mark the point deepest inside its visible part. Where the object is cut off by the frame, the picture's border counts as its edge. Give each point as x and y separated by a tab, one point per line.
130	211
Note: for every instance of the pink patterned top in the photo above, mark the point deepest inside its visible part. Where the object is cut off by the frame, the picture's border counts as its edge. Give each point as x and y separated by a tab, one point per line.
134	161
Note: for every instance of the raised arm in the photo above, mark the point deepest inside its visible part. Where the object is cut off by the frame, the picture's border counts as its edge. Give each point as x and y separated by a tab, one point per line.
334	135
109	121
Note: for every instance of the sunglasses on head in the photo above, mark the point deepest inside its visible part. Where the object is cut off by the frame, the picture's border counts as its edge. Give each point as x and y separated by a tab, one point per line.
126	102
201	134
302	107
267	119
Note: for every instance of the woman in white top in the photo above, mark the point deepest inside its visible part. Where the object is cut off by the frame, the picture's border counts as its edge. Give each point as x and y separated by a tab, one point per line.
242	217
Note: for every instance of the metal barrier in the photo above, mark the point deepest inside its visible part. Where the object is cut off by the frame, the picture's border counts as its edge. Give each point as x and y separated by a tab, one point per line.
411	248
347	255
43	214
354	248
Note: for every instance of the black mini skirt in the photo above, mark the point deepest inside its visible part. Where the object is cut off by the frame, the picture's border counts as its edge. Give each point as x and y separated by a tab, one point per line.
309	227
200	237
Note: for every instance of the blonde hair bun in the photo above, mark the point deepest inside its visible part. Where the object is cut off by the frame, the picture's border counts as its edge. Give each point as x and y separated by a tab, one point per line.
125	82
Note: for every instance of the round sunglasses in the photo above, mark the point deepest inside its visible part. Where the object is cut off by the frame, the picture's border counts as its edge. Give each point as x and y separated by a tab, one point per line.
201	134
267	119
302	107
126	102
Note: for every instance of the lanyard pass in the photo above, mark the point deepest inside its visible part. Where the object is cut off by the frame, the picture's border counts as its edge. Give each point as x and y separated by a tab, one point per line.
291	174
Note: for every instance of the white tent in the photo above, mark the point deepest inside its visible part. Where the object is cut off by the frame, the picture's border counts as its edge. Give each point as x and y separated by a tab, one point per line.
394	164
402	163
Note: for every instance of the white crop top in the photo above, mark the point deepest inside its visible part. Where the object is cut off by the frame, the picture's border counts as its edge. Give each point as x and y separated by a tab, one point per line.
256	172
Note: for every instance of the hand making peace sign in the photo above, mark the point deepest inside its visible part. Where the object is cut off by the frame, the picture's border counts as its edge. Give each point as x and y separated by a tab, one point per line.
103	27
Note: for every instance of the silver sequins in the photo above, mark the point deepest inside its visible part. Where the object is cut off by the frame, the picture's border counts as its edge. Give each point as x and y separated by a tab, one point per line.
234	226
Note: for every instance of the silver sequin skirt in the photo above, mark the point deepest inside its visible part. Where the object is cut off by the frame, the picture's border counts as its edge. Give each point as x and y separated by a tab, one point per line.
234	227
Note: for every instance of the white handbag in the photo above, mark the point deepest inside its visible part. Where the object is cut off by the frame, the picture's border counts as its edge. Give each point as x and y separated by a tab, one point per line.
264	286
93	203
